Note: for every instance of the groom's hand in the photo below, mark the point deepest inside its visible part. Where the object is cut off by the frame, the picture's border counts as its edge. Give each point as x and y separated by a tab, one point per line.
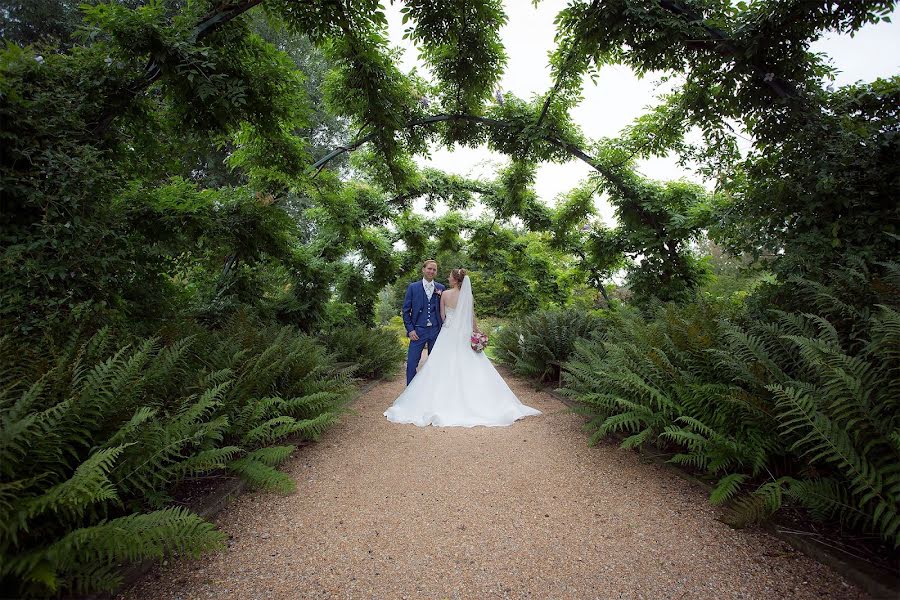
413	335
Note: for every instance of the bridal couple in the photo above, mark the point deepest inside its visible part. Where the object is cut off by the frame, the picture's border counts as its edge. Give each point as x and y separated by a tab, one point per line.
456	386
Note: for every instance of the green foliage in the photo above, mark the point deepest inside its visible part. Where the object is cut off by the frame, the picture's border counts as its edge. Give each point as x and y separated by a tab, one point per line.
45	21
538	344
657	223
366	86
94	438
86	558
798	405
76	189
803	195
513	271
158	167
372	353
835	167
243	86
462	46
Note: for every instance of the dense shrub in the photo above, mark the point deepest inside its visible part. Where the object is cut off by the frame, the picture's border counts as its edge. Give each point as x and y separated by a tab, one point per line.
804	406
93	440
536	345
371	353
398	328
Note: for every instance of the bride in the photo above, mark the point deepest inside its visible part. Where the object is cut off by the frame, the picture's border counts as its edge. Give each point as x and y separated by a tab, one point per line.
457	386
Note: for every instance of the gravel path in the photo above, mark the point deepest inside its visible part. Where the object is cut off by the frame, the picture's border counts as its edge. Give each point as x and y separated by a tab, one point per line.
526	511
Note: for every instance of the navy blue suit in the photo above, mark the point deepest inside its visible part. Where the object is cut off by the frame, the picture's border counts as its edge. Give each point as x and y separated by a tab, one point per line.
418	311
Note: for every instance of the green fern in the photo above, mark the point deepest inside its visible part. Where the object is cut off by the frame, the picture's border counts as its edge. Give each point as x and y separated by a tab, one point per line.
20	436
810	401
262	476
638	439
538	344
758	506
272	455
205	461
374	353
88	485
312	404
826	498
874	486
727	488
132	538
93	437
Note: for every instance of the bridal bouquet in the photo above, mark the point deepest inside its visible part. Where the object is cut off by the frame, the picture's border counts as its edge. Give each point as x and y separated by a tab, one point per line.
479	341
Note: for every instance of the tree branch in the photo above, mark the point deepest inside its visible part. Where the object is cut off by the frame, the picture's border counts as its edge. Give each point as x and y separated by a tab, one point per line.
415	193
440	118
782	88
562	72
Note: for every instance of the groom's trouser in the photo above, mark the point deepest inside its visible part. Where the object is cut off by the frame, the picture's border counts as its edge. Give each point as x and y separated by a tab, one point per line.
427	336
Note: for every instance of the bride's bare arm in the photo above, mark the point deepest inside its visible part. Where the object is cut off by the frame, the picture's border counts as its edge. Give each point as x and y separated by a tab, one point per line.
443	311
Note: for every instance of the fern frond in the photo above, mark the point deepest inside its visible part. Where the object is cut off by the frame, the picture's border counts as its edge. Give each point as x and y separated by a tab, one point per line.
310	405
262	476
202	462
758	506
637	440
132	538
727	487
626	421
272	455
141	416
89	484
215	378
18	437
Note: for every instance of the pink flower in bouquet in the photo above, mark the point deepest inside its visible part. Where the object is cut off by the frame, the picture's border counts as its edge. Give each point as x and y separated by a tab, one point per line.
479	341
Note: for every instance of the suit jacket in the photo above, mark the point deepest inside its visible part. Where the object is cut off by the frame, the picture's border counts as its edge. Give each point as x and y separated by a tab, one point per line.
416	306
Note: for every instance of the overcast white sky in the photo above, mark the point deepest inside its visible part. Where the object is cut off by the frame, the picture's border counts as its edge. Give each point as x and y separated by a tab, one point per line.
619	96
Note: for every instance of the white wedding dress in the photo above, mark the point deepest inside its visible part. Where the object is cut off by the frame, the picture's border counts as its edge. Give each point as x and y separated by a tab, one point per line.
458	387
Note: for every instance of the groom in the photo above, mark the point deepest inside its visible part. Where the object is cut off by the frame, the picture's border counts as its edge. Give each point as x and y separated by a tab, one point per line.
422	316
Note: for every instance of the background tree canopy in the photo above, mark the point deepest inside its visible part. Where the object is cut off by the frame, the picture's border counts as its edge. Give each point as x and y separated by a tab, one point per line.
222	169
215	138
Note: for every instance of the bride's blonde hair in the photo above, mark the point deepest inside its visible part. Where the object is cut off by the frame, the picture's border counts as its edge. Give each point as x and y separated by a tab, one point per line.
458	275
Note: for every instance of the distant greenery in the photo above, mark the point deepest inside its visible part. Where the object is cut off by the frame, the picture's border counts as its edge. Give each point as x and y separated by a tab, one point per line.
372	353
537	345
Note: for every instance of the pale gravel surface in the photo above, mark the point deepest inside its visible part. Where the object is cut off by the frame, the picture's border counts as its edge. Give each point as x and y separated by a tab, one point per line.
526	511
